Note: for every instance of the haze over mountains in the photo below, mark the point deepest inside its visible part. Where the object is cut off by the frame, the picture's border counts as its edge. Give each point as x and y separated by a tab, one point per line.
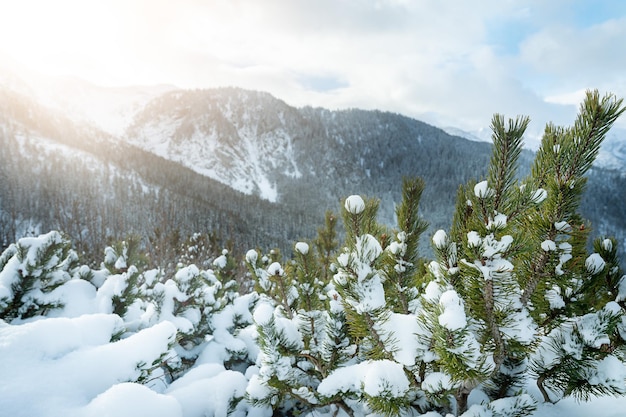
159	161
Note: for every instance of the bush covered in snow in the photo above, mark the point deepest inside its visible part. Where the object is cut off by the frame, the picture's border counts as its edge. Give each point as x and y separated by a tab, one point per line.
514	312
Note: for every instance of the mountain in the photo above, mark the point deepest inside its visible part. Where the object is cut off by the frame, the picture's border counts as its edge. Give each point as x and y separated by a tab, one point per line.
56	174
259	145
613	152
240	164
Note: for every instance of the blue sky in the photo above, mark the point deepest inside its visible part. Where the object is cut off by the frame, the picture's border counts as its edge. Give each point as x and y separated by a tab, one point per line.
450	63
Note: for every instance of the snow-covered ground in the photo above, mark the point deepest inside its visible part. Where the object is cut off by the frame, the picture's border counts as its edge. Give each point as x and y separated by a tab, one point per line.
83	360
67	367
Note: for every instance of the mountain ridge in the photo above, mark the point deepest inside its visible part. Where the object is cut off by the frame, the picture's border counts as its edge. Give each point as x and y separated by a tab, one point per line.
299	161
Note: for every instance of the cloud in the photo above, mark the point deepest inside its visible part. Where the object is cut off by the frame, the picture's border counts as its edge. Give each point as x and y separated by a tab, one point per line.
580	55
450	63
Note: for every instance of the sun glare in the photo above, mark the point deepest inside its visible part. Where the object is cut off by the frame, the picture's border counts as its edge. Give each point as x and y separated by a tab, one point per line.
60	37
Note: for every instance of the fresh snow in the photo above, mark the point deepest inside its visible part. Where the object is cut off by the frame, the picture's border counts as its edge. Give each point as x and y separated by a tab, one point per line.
453	315
67	367
437	381
354	204
548	245
252	256
482	190
440	239
57	367
80	360
594	263
263	314
539	195
374	378
302	248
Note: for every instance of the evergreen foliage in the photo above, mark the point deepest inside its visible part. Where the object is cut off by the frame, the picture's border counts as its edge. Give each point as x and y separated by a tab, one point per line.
513	295
369	327
31	271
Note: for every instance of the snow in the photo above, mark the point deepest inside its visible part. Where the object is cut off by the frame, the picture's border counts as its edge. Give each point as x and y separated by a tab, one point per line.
68	362
374	378
83	361
554	297
563	226
368	249
498	222
610	371
354	204
548	245
57	367
370	295
404	329
263	314
539	196
621	285
437	381
473	239
132	400
453	315
302	248
252	256
275	269
594	263
120	263
208	395
440	239
482	190
220	262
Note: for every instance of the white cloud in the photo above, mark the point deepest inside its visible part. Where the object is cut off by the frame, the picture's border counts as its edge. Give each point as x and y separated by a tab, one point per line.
451	63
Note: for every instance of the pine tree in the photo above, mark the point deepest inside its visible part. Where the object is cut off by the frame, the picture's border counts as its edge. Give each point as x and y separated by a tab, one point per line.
127	285
517	258
512	296
30	271
311	332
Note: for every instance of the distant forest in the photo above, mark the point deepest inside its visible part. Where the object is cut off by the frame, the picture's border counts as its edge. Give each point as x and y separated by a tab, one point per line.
55	174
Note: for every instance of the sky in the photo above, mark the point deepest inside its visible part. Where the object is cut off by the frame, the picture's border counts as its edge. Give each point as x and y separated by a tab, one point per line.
449	63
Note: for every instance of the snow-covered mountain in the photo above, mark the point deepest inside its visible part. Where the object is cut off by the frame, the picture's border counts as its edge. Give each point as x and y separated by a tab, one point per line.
241	138
267	168
259	145
111	109
613	151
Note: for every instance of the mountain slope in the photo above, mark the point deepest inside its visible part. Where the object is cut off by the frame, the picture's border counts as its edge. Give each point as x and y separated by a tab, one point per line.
55	174
242	164
312	157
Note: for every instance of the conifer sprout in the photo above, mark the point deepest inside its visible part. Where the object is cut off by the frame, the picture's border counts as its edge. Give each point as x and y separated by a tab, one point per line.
516	310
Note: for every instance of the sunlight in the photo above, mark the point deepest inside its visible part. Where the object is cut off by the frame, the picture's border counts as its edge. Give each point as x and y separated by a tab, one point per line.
61	37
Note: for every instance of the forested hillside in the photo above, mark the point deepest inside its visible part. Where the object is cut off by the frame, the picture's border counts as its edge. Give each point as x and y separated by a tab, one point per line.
241	166
513	317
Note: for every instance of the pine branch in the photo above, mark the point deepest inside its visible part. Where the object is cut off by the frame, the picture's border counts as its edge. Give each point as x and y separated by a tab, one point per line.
591	126
506	152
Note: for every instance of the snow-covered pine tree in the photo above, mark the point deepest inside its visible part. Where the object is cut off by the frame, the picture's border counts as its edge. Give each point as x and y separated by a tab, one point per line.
565	287
331	346
516	257
404	267
514	295
126	291
290	324
30	272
